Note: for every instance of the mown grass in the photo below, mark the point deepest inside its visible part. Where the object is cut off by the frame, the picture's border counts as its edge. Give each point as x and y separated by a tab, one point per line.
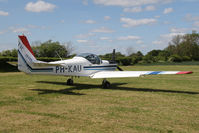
169	63
163	103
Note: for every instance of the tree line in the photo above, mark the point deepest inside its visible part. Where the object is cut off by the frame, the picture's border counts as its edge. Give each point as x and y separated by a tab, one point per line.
46	49
180	48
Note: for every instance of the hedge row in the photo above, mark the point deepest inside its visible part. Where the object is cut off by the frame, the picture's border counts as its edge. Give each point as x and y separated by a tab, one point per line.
7	59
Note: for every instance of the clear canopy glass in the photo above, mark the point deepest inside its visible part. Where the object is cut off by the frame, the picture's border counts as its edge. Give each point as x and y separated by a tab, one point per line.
94	59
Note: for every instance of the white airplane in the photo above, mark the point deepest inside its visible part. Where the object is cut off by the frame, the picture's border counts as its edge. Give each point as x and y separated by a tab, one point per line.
86	65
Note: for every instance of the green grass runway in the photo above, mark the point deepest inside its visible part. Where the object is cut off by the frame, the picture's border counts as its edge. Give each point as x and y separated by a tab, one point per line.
163	103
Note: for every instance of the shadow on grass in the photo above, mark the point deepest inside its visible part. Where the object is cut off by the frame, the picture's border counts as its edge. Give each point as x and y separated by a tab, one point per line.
114	86
63	91
6	67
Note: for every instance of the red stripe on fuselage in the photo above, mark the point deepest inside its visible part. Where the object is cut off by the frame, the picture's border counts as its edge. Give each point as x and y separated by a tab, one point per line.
184	72
26	43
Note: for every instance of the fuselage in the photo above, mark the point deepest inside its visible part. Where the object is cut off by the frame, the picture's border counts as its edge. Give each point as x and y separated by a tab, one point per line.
77	66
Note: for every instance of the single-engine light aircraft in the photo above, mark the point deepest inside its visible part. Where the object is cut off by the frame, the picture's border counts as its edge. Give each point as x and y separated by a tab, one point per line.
86	65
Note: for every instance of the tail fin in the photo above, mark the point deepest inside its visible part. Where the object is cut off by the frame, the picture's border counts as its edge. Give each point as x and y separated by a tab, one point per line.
26	57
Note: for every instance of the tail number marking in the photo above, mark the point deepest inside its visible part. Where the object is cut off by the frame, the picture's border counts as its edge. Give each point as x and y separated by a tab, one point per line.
69	69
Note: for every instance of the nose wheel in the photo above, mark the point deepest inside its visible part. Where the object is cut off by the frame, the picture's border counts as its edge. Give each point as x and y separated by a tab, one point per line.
69	82
106	84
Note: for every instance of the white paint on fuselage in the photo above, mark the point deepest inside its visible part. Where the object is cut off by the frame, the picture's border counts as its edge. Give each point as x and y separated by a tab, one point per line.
77	66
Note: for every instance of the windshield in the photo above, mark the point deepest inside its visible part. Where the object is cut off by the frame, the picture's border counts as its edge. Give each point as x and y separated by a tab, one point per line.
94	59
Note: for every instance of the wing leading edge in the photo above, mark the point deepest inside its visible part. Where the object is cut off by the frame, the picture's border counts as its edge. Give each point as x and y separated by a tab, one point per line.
122	74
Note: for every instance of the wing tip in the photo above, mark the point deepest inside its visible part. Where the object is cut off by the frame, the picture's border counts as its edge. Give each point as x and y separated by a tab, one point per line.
185	72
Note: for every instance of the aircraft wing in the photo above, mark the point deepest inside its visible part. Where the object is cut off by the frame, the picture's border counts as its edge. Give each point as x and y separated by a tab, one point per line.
122	74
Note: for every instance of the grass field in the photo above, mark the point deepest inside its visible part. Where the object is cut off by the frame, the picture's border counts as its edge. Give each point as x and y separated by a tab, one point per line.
165	103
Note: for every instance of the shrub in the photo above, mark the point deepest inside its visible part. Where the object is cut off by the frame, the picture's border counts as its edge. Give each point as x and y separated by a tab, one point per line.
148	59
126	61
186	58
6	59
134	60
175	58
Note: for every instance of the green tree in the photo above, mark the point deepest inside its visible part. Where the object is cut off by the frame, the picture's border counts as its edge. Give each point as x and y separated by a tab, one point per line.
185	46
9	53
14	53
171	49
175	58
6	53
163	55
125	61
108	56
190	46
50	49
152	56
136	57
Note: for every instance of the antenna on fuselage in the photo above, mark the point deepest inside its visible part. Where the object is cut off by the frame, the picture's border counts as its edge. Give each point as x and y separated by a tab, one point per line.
58	55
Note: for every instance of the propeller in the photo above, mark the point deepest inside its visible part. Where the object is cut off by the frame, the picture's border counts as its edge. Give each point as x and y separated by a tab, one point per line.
113	56
113	61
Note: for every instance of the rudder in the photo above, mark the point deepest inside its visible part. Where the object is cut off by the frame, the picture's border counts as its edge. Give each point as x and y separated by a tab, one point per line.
25	55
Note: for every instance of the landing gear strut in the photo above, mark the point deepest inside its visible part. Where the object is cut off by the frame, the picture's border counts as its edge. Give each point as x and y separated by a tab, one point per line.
69	81
106	84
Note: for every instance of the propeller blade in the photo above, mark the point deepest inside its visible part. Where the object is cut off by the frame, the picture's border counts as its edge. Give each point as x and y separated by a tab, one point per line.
112	61
113	56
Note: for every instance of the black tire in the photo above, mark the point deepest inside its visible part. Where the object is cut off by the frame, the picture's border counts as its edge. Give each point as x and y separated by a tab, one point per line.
69	82
106	84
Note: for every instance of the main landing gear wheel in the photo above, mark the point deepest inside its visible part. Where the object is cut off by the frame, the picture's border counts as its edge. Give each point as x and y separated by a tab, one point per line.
106	84
69	82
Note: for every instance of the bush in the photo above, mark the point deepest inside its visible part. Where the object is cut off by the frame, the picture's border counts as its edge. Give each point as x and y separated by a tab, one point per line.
134	60
6	59
186	58
175	58
126	61
148	59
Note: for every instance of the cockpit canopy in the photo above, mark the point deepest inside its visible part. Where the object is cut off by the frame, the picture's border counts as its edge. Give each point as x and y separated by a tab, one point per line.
94	59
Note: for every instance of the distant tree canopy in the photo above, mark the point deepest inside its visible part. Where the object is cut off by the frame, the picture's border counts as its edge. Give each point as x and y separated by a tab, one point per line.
186	46
11	53
180	48
45	49
50	49
108	56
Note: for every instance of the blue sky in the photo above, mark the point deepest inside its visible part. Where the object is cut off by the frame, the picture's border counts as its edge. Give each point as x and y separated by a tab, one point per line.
98	26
